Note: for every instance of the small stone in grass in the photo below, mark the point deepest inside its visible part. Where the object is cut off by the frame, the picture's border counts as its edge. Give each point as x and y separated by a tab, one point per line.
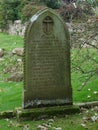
95	92
88	96
89	89
40	127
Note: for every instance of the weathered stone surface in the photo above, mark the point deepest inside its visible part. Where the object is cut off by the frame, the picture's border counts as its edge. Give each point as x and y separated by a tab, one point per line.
16	77
87	104
45	112
16	28
1	52
47	79
18	51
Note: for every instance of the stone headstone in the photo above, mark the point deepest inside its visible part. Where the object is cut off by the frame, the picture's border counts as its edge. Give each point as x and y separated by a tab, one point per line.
47	79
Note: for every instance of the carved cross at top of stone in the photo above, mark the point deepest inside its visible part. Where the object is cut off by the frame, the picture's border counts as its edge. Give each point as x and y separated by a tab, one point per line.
48	25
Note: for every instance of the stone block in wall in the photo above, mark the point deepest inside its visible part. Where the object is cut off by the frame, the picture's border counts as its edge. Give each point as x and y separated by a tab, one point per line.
16	28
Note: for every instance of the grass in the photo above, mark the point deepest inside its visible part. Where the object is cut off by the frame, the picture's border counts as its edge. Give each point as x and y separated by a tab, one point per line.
11	92
9	42
88	93
10	95
73	122
86	62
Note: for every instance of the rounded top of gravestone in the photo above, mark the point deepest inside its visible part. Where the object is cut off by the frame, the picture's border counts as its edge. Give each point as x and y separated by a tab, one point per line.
47	22
46	11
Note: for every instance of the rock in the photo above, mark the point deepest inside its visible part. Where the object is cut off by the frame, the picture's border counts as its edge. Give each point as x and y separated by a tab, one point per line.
51	120
96	108
1	59
1	52
59	128
46	125
26	127
19	60
40	127
16	77
94	118
18	51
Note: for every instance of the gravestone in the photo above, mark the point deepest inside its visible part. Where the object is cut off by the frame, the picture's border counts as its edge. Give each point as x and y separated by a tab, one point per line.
47	80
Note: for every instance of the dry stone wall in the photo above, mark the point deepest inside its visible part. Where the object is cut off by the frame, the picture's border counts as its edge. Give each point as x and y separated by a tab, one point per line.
79	32
16	28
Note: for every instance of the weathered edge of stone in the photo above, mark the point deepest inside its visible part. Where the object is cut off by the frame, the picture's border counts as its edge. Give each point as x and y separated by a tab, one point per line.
87	104
39	113
45	112
7	114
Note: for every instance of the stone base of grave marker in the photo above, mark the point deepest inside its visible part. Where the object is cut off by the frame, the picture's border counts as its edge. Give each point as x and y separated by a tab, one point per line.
45	112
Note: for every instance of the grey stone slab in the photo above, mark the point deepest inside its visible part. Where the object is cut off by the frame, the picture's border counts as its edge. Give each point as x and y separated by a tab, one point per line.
47	78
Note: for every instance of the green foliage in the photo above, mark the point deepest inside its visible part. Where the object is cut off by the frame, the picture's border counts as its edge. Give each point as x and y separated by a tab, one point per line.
84	73
96	12
68	122
10	95
8	11
18	9
69	12
28	10
9	42
54	4
11	92
91	2
24	9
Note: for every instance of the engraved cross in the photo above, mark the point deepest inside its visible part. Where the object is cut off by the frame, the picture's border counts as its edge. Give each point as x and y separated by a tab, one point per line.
48	23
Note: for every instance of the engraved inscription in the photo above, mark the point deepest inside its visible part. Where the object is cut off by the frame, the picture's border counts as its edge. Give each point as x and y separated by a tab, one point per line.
45	60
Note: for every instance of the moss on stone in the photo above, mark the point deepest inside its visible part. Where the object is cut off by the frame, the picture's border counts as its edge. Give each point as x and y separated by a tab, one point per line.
38	113
7	114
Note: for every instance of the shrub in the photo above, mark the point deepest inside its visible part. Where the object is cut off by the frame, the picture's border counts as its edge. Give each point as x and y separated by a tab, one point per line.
28	10
79	11
8	11
54	4
90	2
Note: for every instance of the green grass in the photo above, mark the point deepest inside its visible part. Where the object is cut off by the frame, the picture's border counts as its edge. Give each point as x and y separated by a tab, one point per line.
9	42
86	61
11	92
10	95
72	122
85	95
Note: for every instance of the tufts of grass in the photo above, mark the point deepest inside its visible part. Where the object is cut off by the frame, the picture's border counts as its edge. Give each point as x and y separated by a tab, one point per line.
88	93
11	92
73	122
84	65
10	95
9	42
